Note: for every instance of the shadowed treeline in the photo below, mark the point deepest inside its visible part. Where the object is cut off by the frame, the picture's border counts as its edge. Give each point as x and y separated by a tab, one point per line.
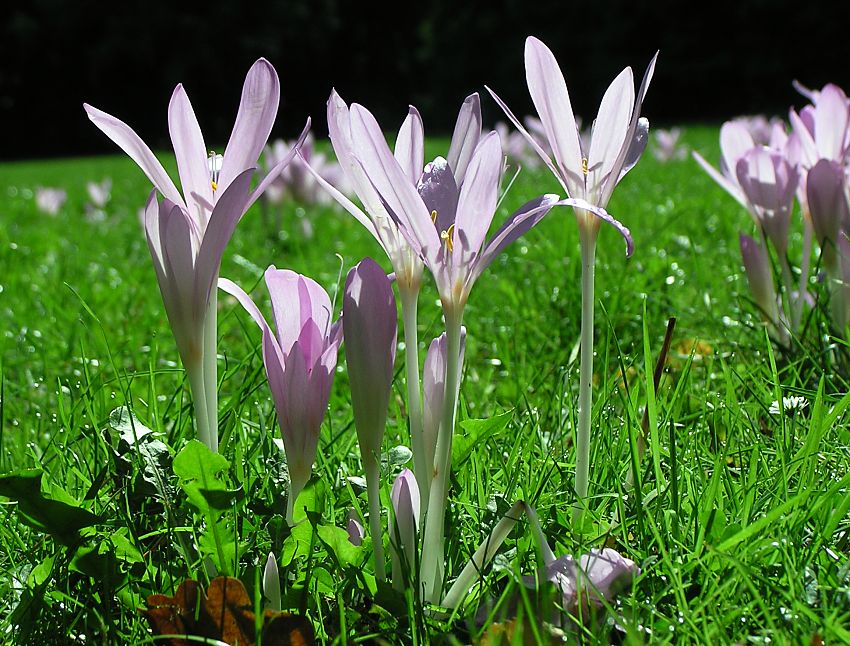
718	59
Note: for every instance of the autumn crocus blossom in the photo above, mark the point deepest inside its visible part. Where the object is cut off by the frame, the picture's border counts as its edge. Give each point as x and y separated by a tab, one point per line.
588	172
403	539
300	361
188	232
369	323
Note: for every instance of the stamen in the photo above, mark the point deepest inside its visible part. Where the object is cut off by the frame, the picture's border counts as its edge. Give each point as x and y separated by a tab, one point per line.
584	165
214	163
447	237
434	216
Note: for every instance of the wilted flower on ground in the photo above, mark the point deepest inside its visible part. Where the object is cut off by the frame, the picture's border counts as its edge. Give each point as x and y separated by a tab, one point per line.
50	200
187	233
300	361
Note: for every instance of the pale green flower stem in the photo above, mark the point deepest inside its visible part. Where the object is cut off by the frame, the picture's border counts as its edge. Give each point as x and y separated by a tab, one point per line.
432	565
587	237
805	266
211	369
485	552
195	373
373	491
409	304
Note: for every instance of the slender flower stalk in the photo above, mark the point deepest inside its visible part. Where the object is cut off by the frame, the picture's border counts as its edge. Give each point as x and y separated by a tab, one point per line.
369	321
188	232
300	361
589	172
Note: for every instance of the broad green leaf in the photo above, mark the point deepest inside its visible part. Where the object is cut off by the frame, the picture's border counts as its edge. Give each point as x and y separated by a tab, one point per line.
201	474
311	499
336	541
62	519
476	431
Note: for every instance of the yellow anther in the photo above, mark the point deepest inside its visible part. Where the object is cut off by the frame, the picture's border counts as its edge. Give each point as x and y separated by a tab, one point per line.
584	165
447	237
434	216
214	186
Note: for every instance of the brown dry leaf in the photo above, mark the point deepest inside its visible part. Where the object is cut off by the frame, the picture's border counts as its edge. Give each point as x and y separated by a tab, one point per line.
225	613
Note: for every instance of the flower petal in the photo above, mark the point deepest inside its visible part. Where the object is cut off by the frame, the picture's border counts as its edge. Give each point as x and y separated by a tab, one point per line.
295	300
831	122
730	187
439	192
395	189
609	130
518	224
465	137
529	138
410	145
223	220
191	153
254	120
478	198
549	93
131	143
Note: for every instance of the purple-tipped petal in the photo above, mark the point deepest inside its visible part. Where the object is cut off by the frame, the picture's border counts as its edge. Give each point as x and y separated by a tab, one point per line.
254	120
295	300
735	142
370	324
638	145
478	198
410	145
465	137
190	150
439	192
405	501
549	93
131	143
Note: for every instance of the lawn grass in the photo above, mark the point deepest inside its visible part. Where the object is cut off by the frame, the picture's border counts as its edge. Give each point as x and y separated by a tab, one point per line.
738	520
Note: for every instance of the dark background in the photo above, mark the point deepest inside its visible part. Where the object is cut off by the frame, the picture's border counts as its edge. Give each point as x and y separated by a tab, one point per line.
718	59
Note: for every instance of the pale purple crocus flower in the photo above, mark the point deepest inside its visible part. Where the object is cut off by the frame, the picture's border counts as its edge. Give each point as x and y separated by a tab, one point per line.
403	541
300	360
99	192
597	576
588	171
50	200
446	223
826	187
769	183
355	529
369	320
188	233
760	280
667	147
408	158
735	142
